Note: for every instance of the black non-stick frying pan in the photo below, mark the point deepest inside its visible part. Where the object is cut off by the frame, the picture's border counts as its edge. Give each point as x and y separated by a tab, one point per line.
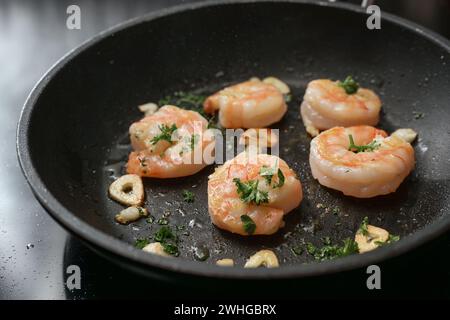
72	135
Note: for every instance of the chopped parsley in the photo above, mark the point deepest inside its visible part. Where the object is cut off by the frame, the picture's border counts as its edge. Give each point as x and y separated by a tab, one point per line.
280	179
189	101
391	239
163	221
186	100
363	227
194	140
268	173
180	228
164	233
249	193
329	252
349	85
418	115
188	196
310	248
142	212
248	224
141	243
297	250
326	241
150	219
368	147
166	134
170	248
168	240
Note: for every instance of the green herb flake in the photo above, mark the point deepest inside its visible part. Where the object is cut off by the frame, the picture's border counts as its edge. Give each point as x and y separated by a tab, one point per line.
349	85
248	224
297	250
166	134
188	196
190	101
356	149
164	233
193	141
249	193
170	248
280	179
267	173
391	239
336	211
418	115
326	241
163	221
310	248
168	240
183	99
330	252
150	219
141	243
142	212
363	227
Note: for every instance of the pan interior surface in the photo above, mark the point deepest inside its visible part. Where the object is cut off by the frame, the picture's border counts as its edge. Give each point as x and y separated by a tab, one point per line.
78	127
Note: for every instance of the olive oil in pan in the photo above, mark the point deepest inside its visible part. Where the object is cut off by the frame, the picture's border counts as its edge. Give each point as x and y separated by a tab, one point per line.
316	218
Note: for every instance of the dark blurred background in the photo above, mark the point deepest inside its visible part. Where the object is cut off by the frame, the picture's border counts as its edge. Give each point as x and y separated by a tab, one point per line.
34	250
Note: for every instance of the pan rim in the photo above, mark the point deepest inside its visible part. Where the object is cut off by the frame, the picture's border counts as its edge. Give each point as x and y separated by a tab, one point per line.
124	250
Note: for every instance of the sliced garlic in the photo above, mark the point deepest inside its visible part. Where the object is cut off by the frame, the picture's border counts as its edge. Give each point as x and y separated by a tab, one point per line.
225	262
262	258
277	83
313	131
128	190
131	214
148	108
406	134
156	248
261	137
371	241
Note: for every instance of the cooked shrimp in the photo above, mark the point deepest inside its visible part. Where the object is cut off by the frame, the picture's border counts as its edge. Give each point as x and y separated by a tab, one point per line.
360	161
250	104
327	104
169	143
251	196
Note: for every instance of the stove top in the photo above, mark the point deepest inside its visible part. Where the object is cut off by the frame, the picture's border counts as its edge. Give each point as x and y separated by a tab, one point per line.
35	252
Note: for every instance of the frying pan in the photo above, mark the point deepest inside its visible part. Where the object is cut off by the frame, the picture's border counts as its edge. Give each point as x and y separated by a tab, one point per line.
73	141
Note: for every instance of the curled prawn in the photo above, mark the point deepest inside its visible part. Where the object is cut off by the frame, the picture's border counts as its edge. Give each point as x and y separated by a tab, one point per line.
250	104
360	161
327	104
169	143
227	205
